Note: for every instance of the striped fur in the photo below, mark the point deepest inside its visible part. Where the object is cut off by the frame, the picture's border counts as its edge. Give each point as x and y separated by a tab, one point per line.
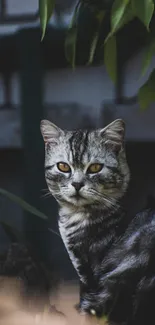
110	256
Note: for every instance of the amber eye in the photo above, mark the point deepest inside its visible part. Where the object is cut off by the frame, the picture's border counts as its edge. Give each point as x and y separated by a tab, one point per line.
94	168
63	167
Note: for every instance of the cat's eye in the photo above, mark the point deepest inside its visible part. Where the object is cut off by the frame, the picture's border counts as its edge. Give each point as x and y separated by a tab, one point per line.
63	167
94	168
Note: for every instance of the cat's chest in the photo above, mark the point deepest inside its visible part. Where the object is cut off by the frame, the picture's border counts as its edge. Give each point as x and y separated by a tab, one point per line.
83	239
73	229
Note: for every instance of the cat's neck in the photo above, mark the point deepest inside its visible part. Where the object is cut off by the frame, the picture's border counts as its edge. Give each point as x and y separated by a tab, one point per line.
93	216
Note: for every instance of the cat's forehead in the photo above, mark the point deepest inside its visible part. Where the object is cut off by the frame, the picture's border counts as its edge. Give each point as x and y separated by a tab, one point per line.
78	147
84	146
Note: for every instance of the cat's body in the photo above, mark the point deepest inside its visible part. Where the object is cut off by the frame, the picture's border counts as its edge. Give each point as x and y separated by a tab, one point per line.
88	174
117	266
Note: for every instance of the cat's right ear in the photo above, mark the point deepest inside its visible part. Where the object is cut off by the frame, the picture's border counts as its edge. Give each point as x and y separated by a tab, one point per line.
113	134
50	131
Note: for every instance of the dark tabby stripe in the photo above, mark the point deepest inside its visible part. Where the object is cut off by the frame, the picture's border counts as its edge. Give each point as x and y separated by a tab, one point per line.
78	145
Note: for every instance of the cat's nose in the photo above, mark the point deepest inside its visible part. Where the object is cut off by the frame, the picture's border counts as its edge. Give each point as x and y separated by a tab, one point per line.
77	185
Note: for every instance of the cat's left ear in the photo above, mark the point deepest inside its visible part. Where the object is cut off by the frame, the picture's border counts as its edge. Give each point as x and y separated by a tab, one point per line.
50	131
113	134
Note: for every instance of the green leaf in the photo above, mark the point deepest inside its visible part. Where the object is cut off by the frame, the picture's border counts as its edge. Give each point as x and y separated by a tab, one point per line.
143	9
70	45
148	57
117	13
71	38
46	8
146	94
99	17
93	48
24	205
110	57
126	18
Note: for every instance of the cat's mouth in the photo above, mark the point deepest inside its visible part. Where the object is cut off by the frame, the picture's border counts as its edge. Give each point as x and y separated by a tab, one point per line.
77	196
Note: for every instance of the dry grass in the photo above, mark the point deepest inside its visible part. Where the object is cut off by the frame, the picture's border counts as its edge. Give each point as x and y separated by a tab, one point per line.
16	310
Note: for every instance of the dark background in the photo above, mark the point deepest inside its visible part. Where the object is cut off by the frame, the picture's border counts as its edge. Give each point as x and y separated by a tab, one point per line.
22	162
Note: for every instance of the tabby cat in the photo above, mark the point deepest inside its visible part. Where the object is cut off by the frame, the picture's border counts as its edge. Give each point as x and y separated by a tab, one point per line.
87	173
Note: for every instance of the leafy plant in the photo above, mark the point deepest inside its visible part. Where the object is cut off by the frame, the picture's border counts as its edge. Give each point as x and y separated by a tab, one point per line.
121	13
24	205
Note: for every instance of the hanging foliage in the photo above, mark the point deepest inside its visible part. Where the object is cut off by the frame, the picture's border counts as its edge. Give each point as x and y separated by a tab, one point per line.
121	13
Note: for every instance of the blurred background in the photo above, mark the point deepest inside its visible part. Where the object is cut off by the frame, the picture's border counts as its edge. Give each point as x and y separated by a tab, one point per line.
36	82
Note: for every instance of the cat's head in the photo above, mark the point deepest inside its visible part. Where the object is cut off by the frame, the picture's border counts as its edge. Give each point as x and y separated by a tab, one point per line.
86	167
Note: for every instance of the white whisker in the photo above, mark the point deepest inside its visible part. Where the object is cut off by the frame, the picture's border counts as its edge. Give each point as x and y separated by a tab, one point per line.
47	194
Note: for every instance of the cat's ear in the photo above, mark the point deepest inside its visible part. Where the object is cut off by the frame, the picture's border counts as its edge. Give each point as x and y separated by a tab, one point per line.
113	134
50	131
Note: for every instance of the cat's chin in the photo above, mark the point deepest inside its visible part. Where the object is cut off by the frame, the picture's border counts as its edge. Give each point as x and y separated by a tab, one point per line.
77	200
73	201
